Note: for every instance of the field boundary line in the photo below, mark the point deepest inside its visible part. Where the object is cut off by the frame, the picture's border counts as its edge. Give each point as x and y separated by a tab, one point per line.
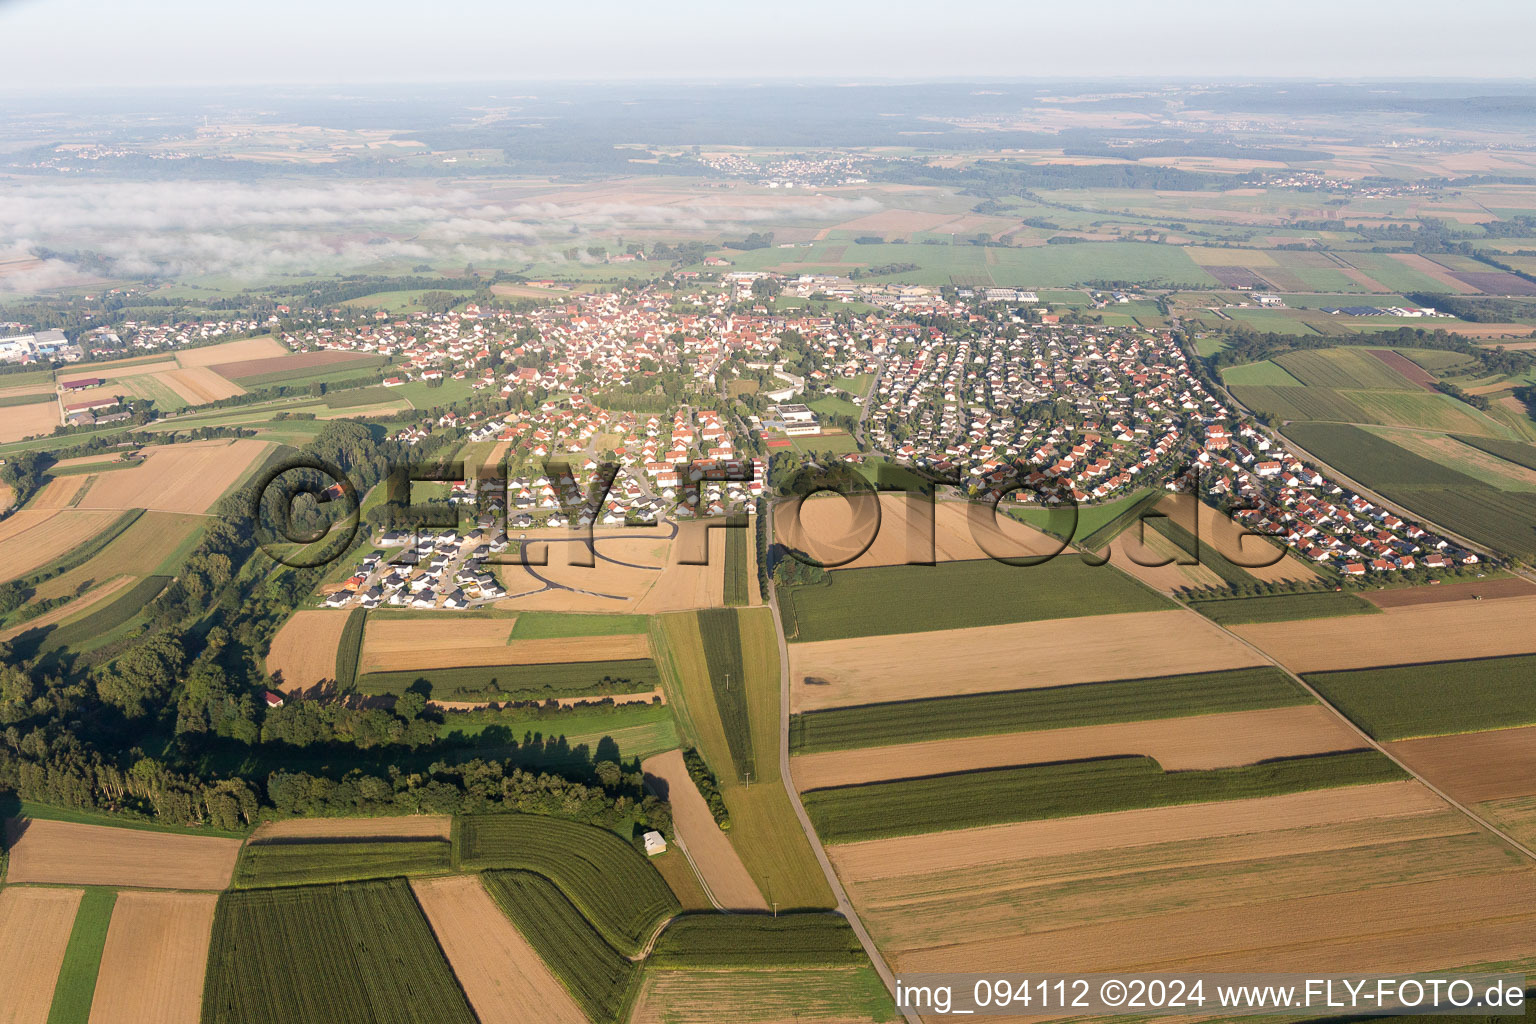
844	904
1380	748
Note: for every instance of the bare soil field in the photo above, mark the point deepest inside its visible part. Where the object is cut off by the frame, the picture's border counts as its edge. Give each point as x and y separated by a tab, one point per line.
63	612
826	529
1402	635
304	649
236	369
1016	656
411	826
73	854
232	352
1228	537
391	645
711	852
152	965
1487	590
504	979
1429	268
19	421
1406	367
199	385
31	539
34	932
177	478
1475	766
748	997
1178	744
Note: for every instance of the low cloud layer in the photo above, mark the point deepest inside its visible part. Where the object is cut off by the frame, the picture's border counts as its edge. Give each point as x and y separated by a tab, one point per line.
255	231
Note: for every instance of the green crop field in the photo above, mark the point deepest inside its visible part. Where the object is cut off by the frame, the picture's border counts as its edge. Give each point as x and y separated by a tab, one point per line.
1342	368
350	648
1419	409
605	877
972	799
1295	403
720	629
1320	604
7	401
76	984
952	595
520	682
1437	699
1053	707
1518	452
544	625
704	941
346	954
347	370
737	571
1093	525
102	619
601	980
352	398
1267	373
267	864
1501	519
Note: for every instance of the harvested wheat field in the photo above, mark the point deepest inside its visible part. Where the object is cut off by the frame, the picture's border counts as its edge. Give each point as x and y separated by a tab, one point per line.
1402	635
152	965
232	352
910	531
144	547
79	604
1475	766
504	979
1178	744
31	539
391	645
716	860
73	854
199	385
633	571
34	932
60	492
1229	538
826	995
1237	885
177	478
1016	656
126	369
304	649
1138	557
1484	590
403	826
19	421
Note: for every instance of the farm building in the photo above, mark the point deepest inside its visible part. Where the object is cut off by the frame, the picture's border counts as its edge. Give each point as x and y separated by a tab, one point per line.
654	843
81	384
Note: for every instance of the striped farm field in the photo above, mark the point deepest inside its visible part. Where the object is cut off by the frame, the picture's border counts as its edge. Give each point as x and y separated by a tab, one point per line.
1439	698
1384	874
31	539
187	477
1400	636
1198	743
153	964
393	645
34	933
62	852
413	826
1063	789
343	954
501	974
1050	707
315	862
154	542
826	995
1025	655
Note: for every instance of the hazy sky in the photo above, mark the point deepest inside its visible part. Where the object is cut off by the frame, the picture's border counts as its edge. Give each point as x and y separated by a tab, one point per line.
73	43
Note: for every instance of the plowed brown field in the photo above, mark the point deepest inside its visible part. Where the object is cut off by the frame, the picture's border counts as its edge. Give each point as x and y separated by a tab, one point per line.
1017	656
1486	590
1178	744
712	854
1400	636
505	980
1475	766
152	965
34	932
73	854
